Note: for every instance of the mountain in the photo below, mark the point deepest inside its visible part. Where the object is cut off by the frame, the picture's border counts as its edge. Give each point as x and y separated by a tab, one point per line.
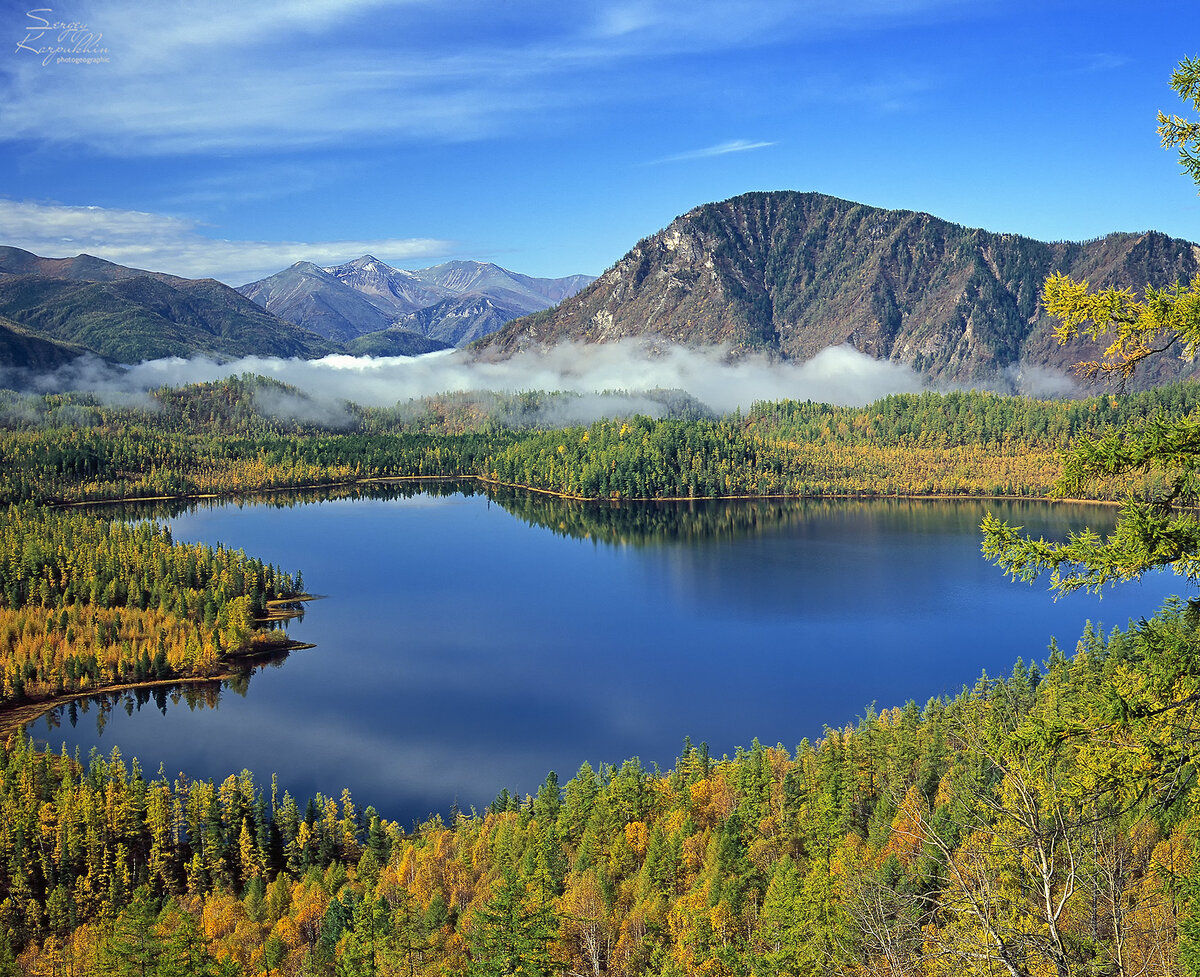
127	314
21	349
793	273
393	290
83	267
455	302
476	276
462	319
311	297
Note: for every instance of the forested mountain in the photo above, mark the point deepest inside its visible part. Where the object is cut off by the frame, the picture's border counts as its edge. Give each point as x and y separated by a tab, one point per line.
794	273
22	349
394	341
452	303
127	314
81	268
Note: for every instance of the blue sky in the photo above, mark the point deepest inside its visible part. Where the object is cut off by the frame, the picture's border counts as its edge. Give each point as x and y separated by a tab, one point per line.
230	139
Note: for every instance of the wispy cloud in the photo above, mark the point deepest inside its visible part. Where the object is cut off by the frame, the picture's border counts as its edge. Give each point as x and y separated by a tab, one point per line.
159	242
319	74
720	149
1099	62
307	75
892	92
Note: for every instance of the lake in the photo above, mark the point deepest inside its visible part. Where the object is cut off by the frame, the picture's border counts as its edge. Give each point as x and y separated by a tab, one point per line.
468	642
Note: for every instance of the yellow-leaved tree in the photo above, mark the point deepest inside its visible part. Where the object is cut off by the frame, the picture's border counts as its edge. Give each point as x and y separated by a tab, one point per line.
1136	728
1161	529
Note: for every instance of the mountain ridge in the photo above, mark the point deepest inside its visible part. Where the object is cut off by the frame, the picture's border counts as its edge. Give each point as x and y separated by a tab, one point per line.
791	273
454	302
87	304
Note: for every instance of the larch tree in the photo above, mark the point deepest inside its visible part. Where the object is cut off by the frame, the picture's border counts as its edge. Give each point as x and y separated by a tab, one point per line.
1160	528
1138	735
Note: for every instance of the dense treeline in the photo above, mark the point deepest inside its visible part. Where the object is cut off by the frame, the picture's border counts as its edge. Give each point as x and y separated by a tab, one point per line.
970	417
56	559
1038	824
646	459
87	603
249	434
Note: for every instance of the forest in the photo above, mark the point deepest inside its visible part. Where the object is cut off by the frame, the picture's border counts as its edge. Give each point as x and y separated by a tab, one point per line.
1035	824
243	435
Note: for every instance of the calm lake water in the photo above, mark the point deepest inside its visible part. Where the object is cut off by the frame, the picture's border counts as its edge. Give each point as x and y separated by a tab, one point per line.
469	643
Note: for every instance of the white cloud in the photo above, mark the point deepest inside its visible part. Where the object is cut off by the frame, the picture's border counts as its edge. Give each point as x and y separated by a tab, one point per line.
597	372
224	75
720	149
158	242
695	25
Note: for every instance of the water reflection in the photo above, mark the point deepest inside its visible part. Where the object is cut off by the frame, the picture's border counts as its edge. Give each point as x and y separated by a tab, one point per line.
662	523
164	510
673	523
195	695
463	651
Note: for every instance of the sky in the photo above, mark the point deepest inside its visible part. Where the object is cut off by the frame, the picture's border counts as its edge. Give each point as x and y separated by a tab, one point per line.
231	139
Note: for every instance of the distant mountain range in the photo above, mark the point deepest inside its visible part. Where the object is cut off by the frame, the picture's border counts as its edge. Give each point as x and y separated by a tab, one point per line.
53	309
449	304
794	273
785	273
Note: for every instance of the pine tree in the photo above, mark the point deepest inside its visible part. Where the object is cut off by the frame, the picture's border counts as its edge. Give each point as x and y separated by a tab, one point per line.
514	933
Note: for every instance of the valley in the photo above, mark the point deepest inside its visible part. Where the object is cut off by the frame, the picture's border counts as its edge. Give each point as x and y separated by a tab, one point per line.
599	490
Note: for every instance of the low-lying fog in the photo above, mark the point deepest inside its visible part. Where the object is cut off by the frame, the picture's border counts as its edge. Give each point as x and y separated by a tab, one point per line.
840	375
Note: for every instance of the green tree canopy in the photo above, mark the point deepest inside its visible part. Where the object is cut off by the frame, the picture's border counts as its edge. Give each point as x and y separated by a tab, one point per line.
1160	528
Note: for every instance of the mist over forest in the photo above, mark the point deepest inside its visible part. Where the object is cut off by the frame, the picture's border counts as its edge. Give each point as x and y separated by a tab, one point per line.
621	371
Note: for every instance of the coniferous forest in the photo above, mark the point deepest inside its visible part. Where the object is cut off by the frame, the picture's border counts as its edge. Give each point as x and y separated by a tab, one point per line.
1041	823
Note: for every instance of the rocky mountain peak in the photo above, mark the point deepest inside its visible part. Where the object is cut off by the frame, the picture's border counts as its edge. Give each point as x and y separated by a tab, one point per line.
792	273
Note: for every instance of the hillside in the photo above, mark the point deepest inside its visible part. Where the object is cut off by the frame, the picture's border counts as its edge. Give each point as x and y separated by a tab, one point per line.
22	350
127	314
793	273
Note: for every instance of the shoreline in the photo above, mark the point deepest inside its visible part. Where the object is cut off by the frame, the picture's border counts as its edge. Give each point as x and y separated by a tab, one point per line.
566	496
15	717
